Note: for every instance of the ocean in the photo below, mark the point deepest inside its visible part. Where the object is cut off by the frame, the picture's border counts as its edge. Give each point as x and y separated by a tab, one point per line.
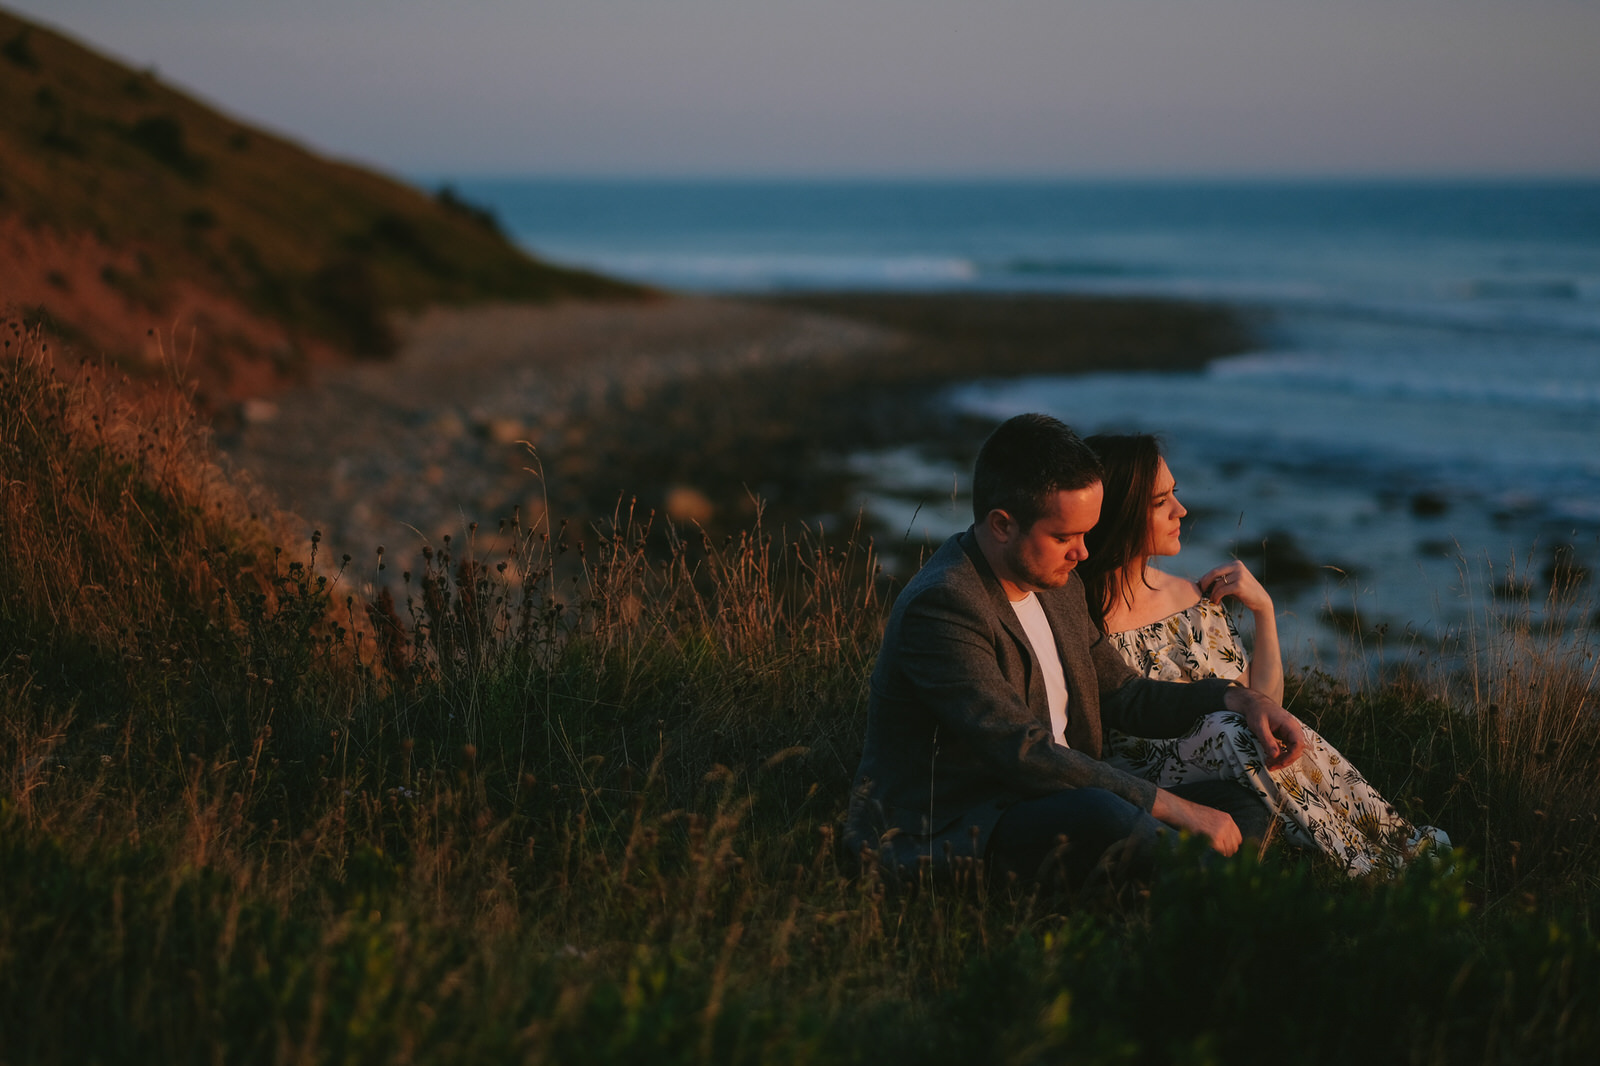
1418	418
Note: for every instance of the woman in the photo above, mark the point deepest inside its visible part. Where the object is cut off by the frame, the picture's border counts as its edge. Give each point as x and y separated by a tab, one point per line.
1174	629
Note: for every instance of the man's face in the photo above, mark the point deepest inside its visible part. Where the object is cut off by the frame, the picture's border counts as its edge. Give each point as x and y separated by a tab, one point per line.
1043	556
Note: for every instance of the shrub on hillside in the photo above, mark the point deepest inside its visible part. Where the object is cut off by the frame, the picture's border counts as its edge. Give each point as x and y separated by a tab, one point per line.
162	137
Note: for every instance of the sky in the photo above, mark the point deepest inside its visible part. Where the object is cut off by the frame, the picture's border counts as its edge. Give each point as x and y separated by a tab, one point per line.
897	88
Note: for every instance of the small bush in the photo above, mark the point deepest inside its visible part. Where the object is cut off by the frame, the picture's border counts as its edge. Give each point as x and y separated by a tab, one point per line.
161	136
346	301
19	50
451	200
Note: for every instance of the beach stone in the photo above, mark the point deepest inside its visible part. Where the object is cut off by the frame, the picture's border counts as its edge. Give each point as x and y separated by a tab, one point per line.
1429	504
448	426
687	505
504	430
258	412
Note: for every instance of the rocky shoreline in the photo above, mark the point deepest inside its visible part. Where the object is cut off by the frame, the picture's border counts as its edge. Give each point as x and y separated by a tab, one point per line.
692	406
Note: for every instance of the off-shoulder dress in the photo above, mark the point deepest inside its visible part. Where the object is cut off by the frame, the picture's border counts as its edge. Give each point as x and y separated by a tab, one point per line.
1321	801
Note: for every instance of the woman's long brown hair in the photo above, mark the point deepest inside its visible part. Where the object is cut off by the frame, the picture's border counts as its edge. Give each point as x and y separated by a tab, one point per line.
1122	534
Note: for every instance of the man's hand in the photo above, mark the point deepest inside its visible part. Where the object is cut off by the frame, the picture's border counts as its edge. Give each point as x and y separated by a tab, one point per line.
1278	731
1216	826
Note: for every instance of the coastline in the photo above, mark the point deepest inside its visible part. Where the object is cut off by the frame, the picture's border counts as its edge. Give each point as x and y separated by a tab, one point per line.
693	406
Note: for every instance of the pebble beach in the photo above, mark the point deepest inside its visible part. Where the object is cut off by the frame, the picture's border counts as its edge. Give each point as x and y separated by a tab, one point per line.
702	409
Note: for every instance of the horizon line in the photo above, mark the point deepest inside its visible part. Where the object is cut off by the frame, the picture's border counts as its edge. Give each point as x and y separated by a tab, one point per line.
420	174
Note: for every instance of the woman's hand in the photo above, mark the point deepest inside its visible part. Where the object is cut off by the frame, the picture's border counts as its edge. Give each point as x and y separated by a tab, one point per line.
1235	579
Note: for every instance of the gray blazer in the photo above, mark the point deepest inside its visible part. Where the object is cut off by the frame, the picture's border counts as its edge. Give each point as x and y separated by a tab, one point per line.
958	723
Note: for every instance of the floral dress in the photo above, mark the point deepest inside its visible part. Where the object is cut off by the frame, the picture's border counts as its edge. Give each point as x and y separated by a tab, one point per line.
1321	801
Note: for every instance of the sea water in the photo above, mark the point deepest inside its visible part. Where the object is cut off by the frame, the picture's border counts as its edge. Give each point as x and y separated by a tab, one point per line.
1419	414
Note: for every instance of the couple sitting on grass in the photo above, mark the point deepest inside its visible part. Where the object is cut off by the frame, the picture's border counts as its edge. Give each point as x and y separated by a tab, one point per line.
1045	700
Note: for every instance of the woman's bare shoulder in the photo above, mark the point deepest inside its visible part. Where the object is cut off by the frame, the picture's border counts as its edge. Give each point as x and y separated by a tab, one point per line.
1174	588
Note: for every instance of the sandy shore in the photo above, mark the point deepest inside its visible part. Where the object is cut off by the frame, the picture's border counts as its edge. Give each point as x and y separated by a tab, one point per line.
691	404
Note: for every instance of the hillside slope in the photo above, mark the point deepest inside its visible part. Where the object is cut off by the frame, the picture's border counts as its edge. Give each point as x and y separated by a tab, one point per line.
128	207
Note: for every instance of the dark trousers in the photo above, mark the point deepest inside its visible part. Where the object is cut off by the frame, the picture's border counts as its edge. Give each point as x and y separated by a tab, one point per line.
1092	820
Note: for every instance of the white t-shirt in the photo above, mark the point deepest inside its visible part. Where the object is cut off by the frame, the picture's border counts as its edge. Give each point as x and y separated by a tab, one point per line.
1037	626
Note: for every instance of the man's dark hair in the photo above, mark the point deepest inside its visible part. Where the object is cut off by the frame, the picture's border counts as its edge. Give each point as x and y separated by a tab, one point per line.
1025	461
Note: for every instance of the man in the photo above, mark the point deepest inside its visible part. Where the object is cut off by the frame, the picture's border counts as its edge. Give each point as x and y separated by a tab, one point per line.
993	687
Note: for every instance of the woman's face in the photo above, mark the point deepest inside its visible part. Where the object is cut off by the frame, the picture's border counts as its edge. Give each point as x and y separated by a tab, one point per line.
1166	514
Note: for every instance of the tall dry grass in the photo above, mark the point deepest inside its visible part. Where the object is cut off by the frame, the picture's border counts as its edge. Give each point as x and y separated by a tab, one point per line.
551	798
116	528
1490	730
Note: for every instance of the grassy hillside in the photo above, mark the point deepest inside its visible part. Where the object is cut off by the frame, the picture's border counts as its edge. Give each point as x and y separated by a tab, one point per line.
126	205
563	802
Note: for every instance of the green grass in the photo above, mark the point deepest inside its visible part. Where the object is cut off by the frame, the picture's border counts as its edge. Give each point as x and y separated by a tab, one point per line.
552	802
